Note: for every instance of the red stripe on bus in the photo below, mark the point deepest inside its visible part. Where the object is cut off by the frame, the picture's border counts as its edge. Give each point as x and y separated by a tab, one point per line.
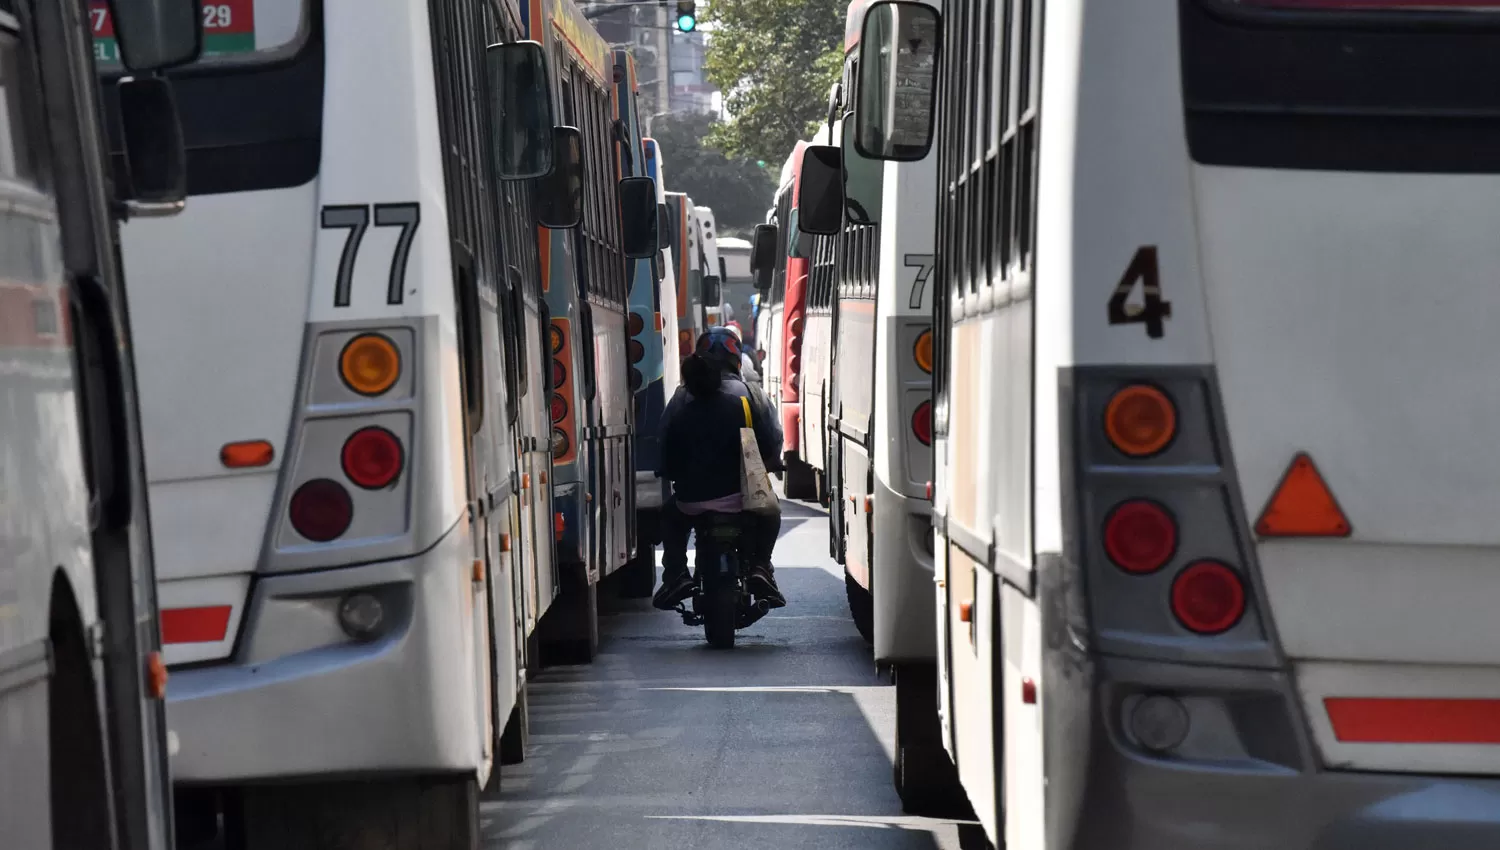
195	625
1366	720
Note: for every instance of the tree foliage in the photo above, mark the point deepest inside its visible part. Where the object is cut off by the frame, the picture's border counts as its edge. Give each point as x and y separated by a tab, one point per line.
738	190
775	61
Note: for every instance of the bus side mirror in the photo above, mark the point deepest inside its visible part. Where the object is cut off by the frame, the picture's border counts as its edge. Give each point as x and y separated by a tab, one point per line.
637	220
155	154
900	44
711	294
560	194
520	90
763	255
154	35
820	204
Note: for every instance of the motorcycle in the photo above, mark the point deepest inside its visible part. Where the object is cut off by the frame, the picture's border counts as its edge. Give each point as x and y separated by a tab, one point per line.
721	603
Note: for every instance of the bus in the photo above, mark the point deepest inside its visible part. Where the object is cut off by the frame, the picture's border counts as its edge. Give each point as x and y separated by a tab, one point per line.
737	285
872	278
815	377
584	276
1212	524
687	260
787	305
653	354
83	760
712	267
330	371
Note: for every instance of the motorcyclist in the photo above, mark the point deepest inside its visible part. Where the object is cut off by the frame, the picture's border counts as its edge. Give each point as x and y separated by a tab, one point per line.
700	431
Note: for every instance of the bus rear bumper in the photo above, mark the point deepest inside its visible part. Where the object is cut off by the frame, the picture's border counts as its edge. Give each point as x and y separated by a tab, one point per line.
1244	778
302	699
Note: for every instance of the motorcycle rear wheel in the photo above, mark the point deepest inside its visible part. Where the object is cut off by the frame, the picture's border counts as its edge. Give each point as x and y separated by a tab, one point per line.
719	615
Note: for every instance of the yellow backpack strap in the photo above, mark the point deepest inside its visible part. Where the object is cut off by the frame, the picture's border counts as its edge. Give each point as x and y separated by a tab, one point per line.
745	403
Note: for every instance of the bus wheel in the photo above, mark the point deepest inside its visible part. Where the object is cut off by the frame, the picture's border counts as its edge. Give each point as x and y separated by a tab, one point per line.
638	579
925	777
800	481
75	739
434	813
861	608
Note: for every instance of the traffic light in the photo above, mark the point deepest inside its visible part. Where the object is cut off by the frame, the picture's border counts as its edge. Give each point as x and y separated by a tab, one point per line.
687	15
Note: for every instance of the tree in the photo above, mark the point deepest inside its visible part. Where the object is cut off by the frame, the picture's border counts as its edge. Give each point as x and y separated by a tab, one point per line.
775	61
738	190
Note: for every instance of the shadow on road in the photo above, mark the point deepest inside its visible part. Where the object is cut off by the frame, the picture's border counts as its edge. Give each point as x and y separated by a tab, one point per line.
663	743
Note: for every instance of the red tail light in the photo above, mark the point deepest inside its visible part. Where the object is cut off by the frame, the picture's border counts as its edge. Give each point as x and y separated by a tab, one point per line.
796	345
1208	598
559	374
373	458
635	324
637	351
321	510
636	379
921	423
559	408
1140	537
794	365
794	327
195	625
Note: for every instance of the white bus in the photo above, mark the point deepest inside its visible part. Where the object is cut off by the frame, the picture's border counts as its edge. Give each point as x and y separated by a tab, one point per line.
329	358
711	266
83	751
815	377
1213	414
876	288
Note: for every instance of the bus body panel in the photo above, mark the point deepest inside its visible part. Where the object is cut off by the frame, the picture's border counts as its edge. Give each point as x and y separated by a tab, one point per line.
708	260
817	346
656	301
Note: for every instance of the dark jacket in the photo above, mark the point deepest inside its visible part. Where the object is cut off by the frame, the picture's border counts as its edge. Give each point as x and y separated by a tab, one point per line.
700	439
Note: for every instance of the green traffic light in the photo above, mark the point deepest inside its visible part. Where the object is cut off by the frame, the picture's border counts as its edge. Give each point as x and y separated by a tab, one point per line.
687	23
760	163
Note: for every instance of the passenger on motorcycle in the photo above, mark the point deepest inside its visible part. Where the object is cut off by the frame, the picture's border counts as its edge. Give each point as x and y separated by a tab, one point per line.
700	455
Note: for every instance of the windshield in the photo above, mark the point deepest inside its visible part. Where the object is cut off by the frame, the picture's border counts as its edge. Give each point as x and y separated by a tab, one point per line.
232	29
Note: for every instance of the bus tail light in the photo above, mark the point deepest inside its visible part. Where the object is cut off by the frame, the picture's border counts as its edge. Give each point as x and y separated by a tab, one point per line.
637	351
559	407
636	379
796	346
921	423
370	364
560	443
923	351
373	458
247	455
635	324
1140	420
1302	505
321	510
559	374
209	624
1208	598
1140	537
555	339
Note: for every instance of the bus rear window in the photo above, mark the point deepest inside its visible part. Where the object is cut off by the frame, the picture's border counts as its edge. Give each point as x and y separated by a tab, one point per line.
1370	5
232	29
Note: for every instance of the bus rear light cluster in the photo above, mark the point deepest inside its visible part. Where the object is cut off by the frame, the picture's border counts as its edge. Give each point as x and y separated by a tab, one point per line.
373	458
1140	421
1140	537
921	423
321	510
1208	598
559	407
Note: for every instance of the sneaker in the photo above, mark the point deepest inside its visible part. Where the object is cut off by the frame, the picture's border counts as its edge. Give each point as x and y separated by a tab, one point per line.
674	589
761	583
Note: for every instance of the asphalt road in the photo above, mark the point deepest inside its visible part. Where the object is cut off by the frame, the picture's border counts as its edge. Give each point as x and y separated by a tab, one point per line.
663	743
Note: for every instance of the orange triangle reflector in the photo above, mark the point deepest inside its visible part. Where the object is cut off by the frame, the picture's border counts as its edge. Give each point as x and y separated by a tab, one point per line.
1302	505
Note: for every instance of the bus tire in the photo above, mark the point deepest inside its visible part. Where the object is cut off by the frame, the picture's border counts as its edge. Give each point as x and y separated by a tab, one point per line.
800	481
78	789
638	578
925	778
429	813
861	608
